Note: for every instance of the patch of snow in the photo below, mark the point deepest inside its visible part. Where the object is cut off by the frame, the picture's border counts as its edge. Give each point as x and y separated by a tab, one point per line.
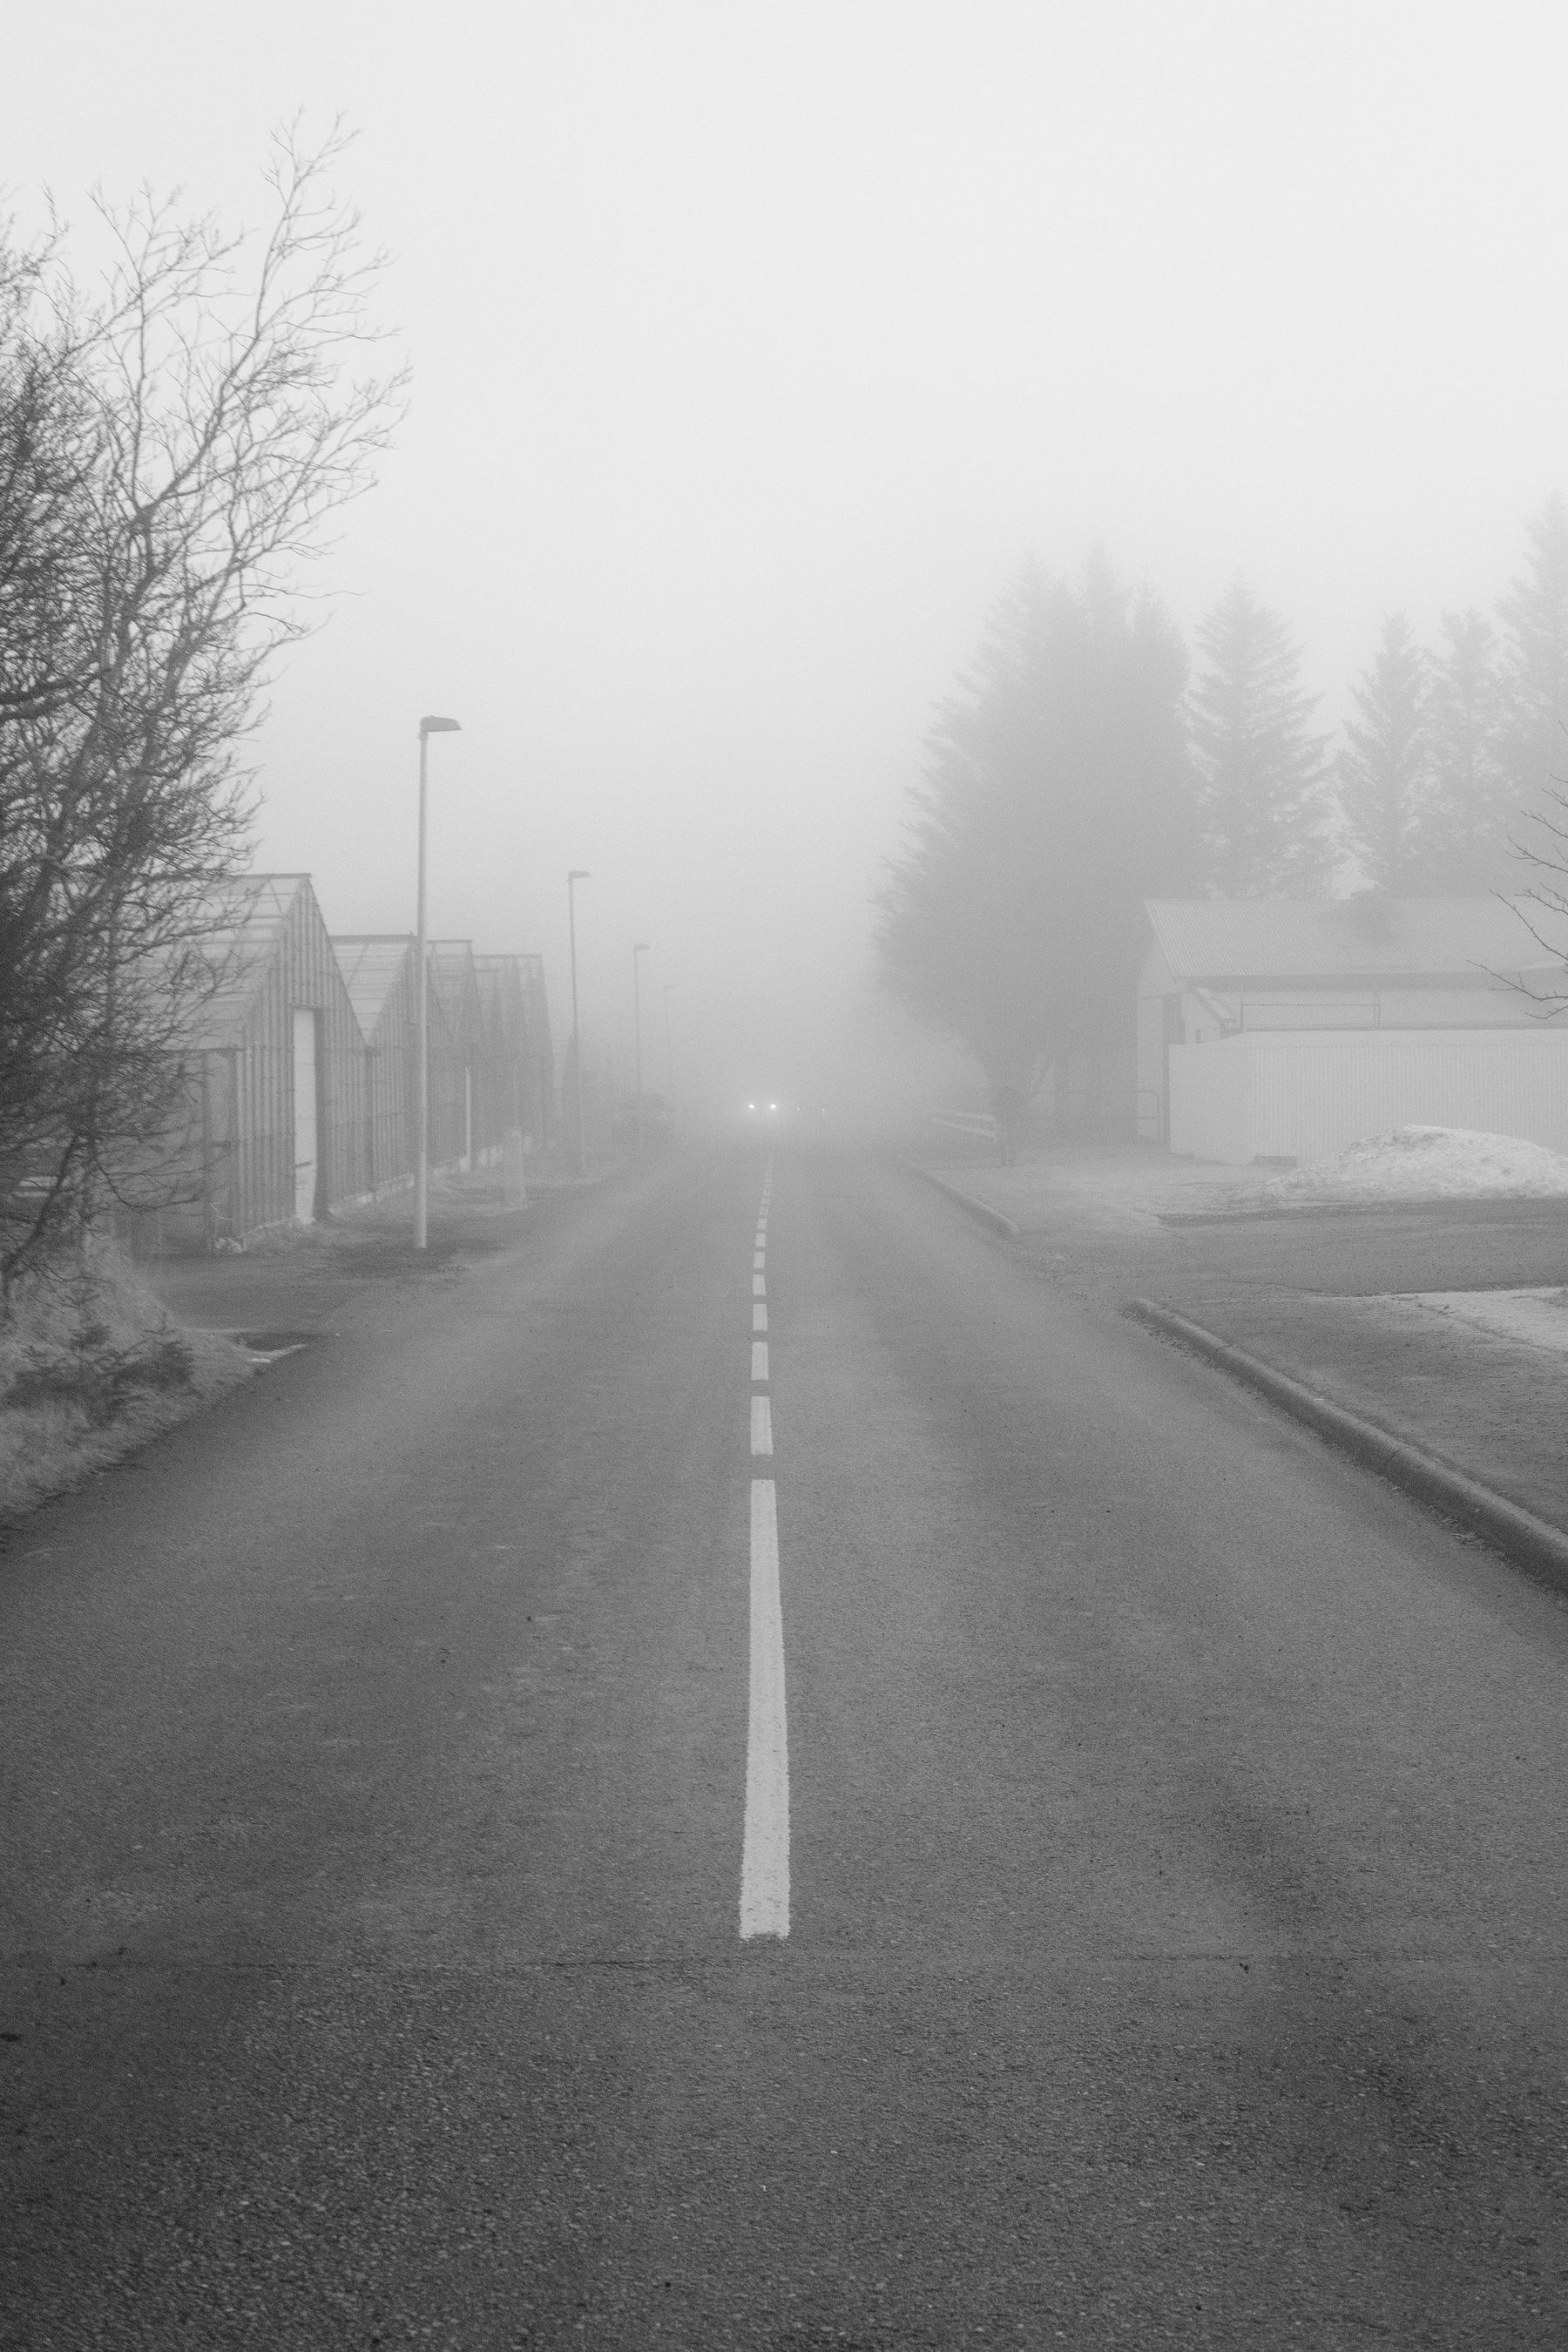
1427	1163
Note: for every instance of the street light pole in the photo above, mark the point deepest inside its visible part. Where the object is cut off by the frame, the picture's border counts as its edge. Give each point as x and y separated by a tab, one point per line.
668	1052
640	948
578	874
428	726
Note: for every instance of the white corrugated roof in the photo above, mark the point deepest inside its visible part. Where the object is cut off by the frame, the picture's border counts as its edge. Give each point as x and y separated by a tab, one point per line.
1227	941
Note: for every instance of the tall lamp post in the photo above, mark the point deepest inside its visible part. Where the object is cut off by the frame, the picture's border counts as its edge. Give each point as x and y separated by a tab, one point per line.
428	726
668	1052
641	948
578	874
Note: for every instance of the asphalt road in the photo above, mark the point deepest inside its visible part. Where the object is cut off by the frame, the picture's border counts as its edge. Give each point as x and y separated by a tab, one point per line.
1177	1823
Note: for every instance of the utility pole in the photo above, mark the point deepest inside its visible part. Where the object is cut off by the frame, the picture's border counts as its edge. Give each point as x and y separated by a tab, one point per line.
578	874
428	726
641	948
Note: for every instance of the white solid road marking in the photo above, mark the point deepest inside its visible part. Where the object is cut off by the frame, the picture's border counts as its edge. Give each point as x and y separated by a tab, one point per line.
765	1859
759	1359
759	1319
762	1426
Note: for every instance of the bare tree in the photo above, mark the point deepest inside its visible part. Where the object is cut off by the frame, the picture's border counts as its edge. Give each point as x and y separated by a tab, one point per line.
169	454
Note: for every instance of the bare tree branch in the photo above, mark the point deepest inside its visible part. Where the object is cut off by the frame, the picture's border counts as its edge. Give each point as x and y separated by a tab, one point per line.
171	455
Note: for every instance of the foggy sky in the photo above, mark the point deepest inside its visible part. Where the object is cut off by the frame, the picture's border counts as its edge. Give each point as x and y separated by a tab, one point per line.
754	345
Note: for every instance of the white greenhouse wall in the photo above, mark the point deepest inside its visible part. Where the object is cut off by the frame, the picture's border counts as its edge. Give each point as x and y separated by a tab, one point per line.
1305	1095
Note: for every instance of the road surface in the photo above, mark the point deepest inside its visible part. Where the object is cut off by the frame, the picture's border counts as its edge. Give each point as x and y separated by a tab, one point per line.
413	1768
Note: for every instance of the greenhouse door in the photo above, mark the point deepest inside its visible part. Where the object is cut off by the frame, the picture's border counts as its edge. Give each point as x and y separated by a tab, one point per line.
305	1153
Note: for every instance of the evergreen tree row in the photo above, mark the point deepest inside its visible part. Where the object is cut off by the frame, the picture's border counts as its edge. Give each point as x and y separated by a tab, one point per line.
1076	770
1448	756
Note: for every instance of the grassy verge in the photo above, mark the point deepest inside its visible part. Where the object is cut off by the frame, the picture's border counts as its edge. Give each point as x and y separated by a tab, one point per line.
91	1366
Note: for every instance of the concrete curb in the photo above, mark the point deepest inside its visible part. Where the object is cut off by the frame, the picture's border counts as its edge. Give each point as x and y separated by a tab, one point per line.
992	1219
1529	1542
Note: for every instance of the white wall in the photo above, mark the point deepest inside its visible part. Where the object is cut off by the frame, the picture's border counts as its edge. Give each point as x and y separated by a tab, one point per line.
1305	1095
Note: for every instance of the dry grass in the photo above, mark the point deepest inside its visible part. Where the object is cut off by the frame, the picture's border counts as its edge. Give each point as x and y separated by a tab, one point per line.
90	1367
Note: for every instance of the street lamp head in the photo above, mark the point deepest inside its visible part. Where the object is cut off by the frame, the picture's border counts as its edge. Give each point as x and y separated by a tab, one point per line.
578	874
440	727
640	947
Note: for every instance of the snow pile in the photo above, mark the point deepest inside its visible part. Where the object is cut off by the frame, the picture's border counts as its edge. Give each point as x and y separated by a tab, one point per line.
1428	1163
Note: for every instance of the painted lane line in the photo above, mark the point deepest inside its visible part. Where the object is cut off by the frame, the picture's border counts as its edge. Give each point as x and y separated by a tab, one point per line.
758	1261
759	1287
759	1319
759	1359
762	1426
764	1856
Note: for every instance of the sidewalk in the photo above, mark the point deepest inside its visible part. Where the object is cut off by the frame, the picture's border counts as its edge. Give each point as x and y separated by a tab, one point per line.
1443	1324
1128	1190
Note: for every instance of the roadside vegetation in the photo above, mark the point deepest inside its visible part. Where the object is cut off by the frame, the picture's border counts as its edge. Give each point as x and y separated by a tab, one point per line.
175	435
172	445
90	1367
1083	765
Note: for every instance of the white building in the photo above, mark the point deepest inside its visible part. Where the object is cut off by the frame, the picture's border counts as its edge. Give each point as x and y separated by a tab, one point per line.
1289	1028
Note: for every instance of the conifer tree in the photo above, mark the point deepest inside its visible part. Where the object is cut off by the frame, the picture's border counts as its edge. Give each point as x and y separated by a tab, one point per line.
1470	799
1534	735
1057	796
1384	772
1261	770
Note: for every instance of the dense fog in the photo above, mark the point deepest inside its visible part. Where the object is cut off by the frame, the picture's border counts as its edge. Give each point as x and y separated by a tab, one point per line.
754	354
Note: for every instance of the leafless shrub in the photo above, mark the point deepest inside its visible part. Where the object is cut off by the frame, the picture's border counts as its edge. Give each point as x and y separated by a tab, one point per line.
171	452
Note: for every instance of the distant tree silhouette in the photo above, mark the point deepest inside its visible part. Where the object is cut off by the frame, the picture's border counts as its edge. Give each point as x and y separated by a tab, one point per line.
1057	795
1384	769
1533	736
1471	800
1262	773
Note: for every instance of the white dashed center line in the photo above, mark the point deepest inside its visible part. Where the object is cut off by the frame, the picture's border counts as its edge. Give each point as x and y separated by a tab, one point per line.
765	1859
764	1862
